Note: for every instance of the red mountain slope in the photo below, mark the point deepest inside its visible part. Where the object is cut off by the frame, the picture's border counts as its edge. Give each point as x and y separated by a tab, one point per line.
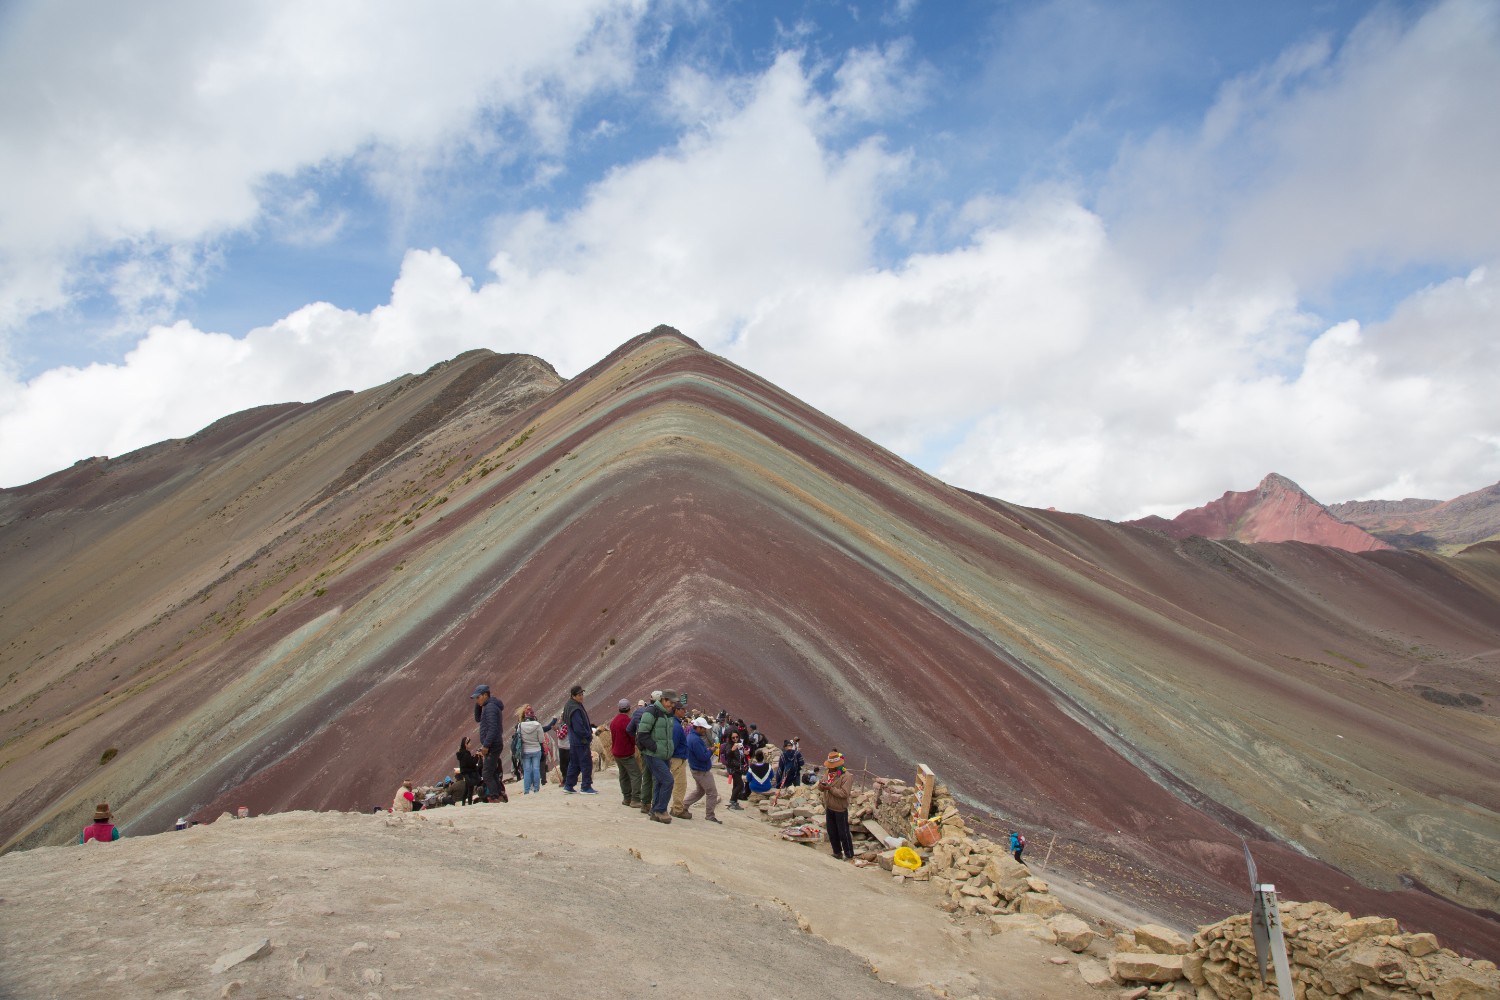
290	609
1278	510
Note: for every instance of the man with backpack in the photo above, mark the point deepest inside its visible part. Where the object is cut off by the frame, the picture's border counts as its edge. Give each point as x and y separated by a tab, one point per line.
653	736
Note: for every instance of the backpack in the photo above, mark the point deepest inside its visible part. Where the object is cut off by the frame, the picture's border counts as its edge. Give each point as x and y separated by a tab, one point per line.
644	740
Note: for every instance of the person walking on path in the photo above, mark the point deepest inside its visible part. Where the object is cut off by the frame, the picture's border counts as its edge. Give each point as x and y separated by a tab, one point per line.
580	738
681	725
1017	845
733	756
836	787
700	766
489	713
531	732
653	735
102	828
622	749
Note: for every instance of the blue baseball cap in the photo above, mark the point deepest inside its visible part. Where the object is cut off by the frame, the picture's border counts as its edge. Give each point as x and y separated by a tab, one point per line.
481	689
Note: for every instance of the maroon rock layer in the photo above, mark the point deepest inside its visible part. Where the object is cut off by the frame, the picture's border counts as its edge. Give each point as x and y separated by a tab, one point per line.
290	609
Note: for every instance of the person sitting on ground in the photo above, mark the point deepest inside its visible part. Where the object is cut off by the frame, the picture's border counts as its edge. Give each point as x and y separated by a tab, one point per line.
530	731
402	803
102	828
760	778
732	753
700	766
836	788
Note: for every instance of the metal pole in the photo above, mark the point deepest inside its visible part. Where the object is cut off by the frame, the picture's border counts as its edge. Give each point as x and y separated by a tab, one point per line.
1049	852
1267	897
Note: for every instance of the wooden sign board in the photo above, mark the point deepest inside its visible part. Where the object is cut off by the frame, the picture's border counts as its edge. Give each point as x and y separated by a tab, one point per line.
922	806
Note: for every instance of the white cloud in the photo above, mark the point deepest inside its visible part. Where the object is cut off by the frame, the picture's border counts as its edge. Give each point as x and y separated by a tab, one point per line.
1378	154
1037	359
118	129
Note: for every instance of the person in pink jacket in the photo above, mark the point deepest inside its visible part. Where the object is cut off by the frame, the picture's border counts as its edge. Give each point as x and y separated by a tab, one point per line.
101	829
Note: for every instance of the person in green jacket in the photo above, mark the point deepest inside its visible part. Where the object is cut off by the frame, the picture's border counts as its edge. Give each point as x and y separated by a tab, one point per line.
653	736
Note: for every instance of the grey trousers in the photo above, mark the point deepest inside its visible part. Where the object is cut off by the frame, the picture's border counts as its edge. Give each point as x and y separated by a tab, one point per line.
706	790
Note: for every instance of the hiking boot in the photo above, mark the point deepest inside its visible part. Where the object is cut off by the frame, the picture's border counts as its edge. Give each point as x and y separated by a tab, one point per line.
714	819
683	815
661	817
626	802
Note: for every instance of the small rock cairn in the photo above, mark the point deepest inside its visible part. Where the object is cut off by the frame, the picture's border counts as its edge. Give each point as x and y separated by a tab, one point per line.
1332	954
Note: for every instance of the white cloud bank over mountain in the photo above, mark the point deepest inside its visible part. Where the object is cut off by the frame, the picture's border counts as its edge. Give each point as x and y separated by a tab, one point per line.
1137	349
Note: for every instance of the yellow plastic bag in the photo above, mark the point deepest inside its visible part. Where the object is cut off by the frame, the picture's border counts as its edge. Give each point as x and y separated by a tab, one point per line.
907	858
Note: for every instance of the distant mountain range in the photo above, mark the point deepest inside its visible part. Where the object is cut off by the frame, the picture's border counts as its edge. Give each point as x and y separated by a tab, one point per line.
1278	510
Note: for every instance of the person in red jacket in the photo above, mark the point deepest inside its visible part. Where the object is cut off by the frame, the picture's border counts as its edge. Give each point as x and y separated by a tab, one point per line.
622	749
101	829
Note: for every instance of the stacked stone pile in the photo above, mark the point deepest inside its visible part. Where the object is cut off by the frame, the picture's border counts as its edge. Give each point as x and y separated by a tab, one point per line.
1332	955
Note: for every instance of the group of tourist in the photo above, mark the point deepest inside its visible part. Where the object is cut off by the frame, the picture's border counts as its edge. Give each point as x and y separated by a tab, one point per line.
661	751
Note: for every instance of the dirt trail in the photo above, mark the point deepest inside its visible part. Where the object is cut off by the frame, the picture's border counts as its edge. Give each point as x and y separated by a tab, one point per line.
544	896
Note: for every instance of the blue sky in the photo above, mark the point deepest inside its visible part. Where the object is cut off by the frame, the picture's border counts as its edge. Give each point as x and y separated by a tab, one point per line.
1114	257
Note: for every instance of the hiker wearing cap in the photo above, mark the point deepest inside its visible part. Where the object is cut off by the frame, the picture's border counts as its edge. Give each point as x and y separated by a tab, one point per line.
101	829
531	732
580	753
681	724
836	787
622	749
653	736
489	713
700	765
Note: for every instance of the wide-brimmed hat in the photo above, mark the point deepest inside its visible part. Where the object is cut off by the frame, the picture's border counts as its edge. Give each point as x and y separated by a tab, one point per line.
102	813
834	760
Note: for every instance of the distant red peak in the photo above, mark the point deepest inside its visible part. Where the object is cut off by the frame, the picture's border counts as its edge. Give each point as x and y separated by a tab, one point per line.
1278	510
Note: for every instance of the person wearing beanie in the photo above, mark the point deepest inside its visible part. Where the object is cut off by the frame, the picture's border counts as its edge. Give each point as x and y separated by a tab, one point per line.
836	788
102	828
622	749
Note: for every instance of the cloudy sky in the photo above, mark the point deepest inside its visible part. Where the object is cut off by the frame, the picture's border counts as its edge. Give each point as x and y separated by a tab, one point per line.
1116	256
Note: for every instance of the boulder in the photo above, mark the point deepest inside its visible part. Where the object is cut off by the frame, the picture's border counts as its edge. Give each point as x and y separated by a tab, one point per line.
1161	940
1145	967
1222	980
1042	905
1417	945
1364	927
1072	933
1004	923
1094	974
1192	968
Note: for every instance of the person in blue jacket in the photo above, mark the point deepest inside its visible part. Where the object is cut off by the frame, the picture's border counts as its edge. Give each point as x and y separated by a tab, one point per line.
580	744
700	763
1017	844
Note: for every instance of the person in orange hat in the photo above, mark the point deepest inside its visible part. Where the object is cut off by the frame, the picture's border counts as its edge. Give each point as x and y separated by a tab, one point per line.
101	829
835	788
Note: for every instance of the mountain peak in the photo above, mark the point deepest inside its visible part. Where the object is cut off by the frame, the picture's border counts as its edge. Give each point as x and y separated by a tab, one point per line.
1278	510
